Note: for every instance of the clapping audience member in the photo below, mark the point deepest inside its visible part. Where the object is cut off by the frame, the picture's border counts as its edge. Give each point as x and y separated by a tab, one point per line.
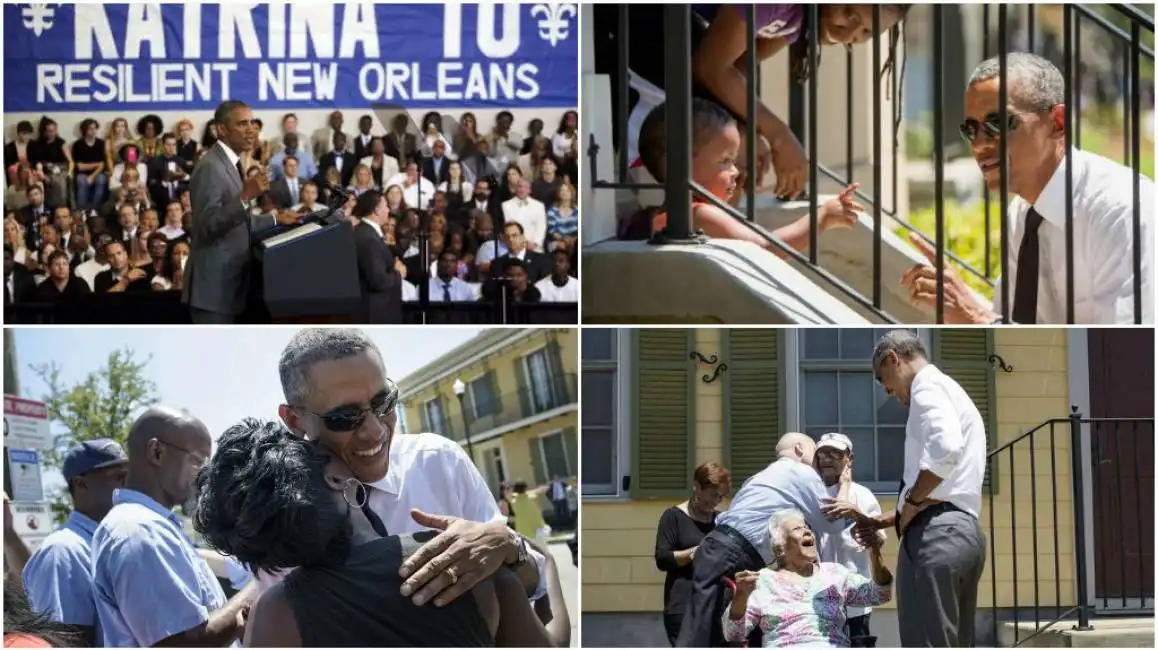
342	159
16	194
528	212
363	181
88	155
382	167
171	276
565	135
546	185
59	284
17	151
120	276
560	286
52	160
150	128
563	220
90	269
467	136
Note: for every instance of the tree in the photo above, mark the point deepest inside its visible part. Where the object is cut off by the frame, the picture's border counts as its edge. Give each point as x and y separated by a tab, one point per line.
103	405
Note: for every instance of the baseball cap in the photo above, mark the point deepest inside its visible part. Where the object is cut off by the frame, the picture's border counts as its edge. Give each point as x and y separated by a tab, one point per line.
92	454
837	441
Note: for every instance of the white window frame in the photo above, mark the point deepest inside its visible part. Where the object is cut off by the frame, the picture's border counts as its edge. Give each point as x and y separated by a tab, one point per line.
567	460
795	396
441	412
621	422
401	410
489	465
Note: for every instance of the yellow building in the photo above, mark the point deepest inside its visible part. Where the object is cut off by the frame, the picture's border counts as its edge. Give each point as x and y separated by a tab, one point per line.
659	402
517	389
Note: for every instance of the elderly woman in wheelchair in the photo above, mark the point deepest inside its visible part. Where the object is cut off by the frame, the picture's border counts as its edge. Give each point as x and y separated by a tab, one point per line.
799	600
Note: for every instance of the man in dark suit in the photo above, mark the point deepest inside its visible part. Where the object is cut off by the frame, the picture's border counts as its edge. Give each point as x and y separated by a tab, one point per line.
120	276
218	270
483	200
536	264
340	158
377	275
363	138
481	165
287	190
399	143
436	168
30	216
167	173
18	282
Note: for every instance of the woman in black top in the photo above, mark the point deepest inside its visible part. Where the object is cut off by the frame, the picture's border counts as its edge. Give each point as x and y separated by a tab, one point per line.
681	529
60	285
275	501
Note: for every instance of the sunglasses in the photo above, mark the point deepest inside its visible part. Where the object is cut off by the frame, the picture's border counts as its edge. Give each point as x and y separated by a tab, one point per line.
991	125
350	418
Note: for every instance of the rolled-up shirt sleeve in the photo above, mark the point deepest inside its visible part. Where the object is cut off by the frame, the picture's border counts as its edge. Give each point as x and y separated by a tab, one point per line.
58	581
479	505
942	442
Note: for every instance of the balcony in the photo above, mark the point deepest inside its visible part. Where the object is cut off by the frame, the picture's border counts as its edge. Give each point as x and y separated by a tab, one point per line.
506	410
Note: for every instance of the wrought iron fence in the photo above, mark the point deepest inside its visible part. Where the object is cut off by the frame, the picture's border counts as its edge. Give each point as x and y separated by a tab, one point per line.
1108	515
677	52
556	391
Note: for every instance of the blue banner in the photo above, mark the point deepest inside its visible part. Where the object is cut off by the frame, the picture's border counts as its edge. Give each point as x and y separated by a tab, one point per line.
142	57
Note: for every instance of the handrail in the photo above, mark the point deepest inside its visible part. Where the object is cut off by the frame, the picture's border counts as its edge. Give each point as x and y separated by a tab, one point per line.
1134	15
1109	27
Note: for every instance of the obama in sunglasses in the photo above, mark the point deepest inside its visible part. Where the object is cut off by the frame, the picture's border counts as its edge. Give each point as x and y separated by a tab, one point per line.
1035	172
338	396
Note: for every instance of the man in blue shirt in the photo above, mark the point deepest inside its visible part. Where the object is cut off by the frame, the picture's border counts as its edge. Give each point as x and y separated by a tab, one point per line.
150	584
307	168
58	576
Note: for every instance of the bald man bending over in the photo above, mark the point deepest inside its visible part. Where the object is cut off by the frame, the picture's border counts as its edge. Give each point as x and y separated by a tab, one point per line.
150	584
737	543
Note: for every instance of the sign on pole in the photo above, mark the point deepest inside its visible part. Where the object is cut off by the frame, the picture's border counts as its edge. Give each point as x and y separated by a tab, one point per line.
26	424
24	473
32	521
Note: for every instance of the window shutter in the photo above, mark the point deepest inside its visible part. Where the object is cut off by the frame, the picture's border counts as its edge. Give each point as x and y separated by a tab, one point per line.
496	397
536	461
523	387
558	378
753	400
664	397
571	444
423	420
963	354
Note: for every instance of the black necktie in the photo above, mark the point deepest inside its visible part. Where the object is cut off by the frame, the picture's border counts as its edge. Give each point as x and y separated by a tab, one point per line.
375	520
1025	292
446	292
241	172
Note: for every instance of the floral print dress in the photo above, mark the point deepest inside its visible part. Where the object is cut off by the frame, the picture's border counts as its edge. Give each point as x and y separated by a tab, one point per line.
804	612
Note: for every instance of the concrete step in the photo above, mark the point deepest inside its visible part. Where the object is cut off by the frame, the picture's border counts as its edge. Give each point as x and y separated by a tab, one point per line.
1123	632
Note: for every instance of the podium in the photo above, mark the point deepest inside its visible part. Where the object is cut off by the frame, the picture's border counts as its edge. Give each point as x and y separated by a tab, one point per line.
307	273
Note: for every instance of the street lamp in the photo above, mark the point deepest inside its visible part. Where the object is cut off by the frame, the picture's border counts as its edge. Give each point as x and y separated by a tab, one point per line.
460	392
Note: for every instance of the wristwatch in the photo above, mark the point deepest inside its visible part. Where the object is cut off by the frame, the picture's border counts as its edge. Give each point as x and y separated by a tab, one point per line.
521	553
909	500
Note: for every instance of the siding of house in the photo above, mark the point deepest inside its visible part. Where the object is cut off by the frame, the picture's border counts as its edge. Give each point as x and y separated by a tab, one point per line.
619	573
506	430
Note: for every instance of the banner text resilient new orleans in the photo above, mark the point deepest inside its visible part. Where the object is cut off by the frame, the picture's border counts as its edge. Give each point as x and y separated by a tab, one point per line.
154	56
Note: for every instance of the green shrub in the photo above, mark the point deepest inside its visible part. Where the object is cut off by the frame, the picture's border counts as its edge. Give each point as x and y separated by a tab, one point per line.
965	237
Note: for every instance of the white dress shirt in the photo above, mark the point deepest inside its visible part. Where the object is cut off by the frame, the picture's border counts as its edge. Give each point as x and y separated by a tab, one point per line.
460	291
848	552
409	291
783	485
569	292
88	271
466	187
1103	220
119	171
233	160
946	436
294	186
532	215
410	194
431	473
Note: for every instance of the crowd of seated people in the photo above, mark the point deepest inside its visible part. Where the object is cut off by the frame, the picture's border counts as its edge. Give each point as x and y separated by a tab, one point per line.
472	216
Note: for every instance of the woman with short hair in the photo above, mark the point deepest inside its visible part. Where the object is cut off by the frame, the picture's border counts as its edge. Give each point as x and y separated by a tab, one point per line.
799	600
681	529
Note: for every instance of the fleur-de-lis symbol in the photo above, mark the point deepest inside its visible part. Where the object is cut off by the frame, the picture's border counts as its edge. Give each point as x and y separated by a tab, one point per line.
38	17
554	21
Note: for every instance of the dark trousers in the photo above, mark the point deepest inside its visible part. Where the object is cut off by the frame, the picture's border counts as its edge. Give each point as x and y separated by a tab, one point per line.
938	570
203	317
672	624
858	632
562	512
723	552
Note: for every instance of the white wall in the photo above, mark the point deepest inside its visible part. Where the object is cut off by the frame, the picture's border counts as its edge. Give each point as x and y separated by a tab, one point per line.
308	120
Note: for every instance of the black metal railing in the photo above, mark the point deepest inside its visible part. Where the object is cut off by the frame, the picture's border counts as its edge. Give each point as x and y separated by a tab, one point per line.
166	308
803	122
556	391
1108	516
